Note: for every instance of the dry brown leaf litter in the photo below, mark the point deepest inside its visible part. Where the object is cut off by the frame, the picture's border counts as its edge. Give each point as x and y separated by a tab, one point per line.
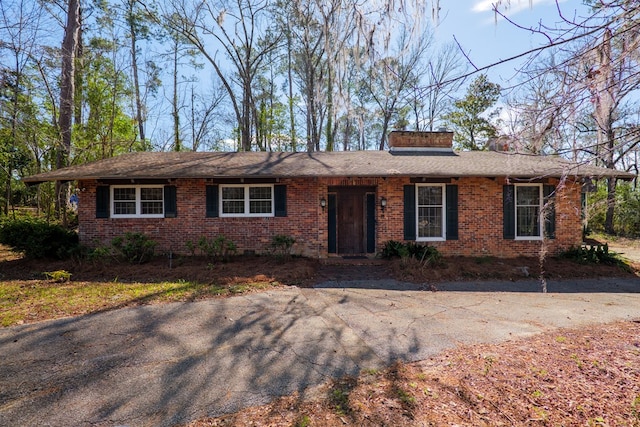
579	377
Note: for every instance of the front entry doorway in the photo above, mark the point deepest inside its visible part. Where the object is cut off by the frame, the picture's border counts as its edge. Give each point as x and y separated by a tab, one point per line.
351	220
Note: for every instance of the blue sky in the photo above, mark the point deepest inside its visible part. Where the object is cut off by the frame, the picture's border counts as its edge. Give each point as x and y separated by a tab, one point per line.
486	41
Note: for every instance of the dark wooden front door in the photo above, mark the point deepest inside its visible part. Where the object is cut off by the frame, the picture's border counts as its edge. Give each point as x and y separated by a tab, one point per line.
351	221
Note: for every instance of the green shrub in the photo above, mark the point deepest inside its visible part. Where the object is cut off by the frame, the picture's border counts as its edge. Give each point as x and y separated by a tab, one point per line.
423	253
134	247
393	249
191	247
427	255
220	248
592	254
99	254
37	238
281	245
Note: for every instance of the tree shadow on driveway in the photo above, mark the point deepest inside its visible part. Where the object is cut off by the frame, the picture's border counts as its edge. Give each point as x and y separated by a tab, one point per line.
168	364
597	285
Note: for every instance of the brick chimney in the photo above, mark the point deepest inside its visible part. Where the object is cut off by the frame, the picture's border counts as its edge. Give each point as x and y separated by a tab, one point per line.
500	143
437	142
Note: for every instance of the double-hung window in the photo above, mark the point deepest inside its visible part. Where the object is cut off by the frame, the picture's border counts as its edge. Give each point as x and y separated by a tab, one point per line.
528	204
247	200
142	201
431	211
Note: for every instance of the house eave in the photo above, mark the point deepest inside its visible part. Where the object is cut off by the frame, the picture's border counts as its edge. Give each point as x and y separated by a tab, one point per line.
364	164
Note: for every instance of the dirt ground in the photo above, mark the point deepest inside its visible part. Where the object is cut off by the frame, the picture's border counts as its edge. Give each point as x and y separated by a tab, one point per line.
305	272
561	378
627	248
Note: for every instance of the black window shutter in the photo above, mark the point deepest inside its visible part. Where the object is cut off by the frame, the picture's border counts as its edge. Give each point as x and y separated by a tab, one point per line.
170	201
102	202
452	212
332	223
409	212
280	200
549	211
371	223
212	201
509	212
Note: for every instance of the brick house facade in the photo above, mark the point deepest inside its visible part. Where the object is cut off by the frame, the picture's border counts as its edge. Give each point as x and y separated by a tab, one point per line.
469	204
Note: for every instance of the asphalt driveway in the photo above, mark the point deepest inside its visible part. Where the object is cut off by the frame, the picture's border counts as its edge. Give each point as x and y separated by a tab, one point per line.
167	364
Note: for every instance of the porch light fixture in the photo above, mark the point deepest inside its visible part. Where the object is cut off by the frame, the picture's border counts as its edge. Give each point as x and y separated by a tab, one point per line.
323	203
383	203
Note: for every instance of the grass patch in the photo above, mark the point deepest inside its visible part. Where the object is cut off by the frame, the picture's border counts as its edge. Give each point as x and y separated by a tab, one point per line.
58	276
339	395
24	301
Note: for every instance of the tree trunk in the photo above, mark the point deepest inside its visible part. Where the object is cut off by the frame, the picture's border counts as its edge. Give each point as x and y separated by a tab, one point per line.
134	70
329	133
311	114
347	134
245	124
604	115
611	203
195	143
292	118
385	128
175	113
67	89
78	76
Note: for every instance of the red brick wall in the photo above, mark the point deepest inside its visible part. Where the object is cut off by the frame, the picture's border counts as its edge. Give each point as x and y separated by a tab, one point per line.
480	226
412	139
480	219
303	208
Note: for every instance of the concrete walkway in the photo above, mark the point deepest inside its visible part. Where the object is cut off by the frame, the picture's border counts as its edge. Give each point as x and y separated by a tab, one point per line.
167	364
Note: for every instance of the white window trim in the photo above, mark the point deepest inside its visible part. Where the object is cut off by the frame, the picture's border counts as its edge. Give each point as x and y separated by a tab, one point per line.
443	237
540	219
246	213
138	202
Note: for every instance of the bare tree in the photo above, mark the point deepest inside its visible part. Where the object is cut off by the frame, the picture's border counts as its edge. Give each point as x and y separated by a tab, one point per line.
308	63
539	111
390	79
598	64
203	108
242	31
433	97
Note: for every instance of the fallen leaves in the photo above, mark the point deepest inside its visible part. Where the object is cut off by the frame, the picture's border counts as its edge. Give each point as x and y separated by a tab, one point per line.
576	377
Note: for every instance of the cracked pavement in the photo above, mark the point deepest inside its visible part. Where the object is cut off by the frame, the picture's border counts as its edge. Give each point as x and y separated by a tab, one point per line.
167	364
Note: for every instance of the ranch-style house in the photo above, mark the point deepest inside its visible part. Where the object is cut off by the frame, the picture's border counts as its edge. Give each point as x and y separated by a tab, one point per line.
338	203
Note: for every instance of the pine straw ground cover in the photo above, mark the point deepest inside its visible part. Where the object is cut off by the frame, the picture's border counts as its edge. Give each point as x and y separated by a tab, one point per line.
28	292
580	377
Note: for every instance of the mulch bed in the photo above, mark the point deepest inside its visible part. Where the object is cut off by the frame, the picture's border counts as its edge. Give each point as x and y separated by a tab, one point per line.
307	272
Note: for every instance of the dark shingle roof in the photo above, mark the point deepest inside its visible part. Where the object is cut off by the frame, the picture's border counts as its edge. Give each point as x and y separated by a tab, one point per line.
150	165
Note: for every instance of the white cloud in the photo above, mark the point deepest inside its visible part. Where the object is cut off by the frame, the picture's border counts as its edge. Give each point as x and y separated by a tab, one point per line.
483	6
513	6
